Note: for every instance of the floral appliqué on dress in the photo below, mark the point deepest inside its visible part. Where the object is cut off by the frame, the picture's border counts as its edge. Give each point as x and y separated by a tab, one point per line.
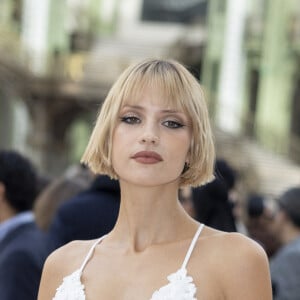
71	288
180	287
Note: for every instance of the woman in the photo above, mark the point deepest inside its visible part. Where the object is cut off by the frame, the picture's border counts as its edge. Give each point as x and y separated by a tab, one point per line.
153	135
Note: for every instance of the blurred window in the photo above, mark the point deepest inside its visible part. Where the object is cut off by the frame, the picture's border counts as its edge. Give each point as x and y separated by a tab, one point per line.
187	11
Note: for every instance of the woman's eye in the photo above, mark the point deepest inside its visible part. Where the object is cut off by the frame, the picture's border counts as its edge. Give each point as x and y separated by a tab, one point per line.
172	124
130	120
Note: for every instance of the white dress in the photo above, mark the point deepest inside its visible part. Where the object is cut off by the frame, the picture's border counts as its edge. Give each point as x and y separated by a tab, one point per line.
180	286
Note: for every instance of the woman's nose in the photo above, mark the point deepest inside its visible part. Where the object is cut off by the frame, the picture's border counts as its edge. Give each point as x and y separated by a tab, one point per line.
149	139
149	136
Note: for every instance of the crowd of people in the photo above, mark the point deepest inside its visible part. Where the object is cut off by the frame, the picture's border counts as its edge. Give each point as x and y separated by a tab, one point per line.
37	219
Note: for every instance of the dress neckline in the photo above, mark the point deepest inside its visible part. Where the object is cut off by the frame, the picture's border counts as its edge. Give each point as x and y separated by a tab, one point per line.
180	286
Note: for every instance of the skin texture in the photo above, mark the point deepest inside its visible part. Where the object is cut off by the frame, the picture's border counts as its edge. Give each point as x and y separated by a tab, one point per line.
153	232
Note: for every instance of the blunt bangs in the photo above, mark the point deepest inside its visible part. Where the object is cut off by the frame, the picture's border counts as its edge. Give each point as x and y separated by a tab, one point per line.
160	77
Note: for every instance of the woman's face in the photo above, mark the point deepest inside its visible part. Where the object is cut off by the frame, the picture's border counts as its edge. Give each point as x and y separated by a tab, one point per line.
151	141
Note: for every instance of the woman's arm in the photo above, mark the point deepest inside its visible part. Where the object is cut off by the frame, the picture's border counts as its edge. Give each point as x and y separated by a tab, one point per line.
246	270
50	277
59	264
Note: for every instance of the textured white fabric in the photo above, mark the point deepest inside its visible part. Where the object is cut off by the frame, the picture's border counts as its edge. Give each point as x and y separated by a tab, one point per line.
180	286
71	288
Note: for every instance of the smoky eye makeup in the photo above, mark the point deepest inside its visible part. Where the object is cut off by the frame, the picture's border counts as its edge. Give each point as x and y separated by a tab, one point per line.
173	124
130	119
176	119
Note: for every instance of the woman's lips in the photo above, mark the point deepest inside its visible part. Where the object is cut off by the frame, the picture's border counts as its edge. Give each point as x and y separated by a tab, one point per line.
147	157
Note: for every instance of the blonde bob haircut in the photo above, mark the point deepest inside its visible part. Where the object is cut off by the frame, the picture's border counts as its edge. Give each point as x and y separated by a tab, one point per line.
180	90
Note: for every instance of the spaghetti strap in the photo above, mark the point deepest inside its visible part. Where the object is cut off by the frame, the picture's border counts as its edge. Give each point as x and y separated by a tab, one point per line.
90	253
192	246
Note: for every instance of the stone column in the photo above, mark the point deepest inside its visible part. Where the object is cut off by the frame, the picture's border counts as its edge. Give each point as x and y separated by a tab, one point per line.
232	68
277	71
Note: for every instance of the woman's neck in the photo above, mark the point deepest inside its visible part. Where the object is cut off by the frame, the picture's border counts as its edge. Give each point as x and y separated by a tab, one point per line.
151	216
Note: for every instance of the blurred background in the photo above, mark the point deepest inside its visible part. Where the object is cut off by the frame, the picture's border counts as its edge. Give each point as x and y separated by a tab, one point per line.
58	59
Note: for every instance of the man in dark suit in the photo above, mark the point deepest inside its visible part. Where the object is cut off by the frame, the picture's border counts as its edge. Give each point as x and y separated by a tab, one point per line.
89	215
22	252
211	201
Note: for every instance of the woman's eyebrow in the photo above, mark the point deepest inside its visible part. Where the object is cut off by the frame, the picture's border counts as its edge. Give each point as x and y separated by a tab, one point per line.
172	111
133	107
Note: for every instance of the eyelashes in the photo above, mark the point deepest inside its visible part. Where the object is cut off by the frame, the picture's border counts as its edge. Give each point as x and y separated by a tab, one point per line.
172	124
130	120
133	120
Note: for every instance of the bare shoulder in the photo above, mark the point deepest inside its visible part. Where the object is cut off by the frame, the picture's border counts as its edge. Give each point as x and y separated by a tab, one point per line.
60	263
236	243
241	265
233	244
68	256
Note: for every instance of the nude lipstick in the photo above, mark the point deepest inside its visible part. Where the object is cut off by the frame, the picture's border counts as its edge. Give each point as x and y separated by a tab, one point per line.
147	157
